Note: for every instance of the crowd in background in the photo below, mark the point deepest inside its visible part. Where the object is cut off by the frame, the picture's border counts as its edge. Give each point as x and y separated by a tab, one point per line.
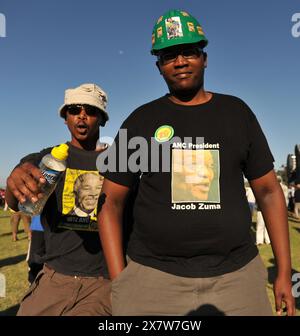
292	202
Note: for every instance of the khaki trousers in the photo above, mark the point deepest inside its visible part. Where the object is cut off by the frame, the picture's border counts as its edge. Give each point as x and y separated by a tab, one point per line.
55	294
142	290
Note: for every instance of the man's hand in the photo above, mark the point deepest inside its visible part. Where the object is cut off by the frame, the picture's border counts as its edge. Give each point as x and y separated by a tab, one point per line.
23	183
283	294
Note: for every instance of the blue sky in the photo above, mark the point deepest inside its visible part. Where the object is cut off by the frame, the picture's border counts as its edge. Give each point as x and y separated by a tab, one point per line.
53	45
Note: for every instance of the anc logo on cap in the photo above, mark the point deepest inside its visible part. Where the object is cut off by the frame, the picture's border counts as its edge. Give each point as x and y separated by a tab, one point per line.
185	13
200	30
153	39
159	20
159	32
164	133
191	26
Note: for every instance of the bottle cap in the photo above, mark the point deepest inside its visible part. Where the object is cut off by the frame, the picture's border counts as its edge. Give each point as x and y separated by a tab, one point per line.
60	152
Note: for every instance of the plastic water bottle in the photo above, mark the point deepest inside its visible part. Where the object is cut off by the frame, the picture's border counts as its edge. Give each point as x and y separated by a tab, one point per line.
52	166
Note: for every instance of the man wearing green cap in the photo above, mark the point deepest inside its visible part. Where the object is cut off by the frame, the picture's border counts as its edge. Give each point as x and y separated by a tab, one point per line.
192	253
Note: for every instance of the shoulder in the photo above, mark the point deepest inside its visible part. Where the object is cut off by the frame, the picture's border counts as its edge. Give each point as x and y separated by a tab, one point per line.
43	151
46	150
36	157
232	100
140	113
236	108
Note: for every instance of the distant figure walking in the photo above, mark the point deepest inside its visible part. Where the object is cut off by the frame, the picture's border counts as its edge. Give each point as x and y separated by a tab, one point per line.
15	219
297	201
262	236
251	199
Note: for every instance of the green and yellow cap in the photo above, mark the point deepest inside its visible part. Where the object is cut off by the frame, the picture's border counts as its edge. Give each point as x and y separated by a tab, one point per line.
176	27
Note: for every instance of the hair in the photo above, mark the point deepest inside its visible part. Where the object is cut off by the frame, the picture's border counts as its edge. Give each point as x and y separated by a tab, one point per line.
64	112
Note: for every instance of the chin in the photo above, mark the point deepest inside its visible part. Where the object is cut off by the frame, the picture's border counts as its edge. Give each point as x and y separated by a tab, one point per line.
82	137
185	89
200	196
186	86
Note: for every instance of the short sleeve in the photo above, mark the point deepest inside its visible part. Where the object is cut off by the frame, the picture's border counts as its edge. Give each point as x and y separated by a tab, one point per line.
35	158
259	159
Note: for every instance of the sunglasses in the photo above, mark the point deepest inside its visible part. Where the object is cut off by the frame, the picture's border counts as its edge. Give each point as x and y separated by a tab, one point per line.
89	110
169	57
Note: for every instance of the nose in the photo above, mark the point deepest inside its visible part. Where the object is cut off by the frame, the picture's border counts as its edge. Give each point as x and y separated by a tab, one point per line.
207	173
180	61
82	114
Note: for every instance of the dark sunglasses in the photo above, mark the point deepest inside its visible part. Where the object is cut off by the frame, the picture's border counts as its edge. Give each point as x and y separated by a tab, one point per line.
169	57
89	110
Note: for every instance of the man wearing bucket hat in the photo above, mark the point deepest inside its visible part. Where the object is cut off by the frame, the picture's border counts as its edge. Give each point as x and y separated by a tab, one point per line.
74	280
187	256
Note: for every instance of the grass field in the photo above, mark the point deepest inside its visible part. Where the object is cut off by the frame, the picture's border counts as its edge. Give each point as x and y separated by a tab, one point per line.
13	265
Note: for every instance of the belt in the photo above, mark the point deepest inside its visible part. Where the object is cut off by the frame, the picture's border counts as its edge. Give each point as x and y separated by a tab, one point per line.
52	270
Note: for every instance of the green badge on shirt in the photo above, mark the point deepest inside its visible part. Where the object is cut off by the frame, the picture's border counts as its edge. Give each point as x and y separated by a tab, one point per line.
164	133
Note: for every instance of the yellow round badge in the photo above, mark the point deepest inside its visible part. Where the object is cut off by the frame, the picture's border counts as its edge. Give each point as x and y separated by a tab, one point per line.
164	133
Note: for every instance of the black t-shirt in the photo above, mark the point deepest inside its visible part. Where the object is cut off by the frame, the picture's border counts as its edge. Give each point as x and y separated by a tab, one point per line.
69	217
191	215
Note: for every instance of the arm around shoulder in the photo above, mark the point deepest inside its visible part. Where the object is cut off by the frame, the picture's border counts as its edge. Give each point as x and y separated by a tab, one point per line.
113	198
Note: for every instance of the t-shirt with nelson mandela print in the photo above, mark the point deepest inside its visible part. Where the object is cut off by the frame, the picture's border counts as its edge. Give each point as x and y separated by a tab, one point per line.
191	216
70	216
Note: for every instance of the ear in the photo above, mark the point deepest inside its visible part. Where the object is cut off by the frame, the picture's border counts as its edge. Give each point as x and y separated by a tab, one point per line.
158	67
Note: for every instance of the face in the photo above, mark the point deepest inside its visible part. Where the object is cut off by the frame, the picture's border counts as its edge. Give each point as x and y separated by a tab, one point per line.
87	192
183	74
196	173
199	176
83	125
